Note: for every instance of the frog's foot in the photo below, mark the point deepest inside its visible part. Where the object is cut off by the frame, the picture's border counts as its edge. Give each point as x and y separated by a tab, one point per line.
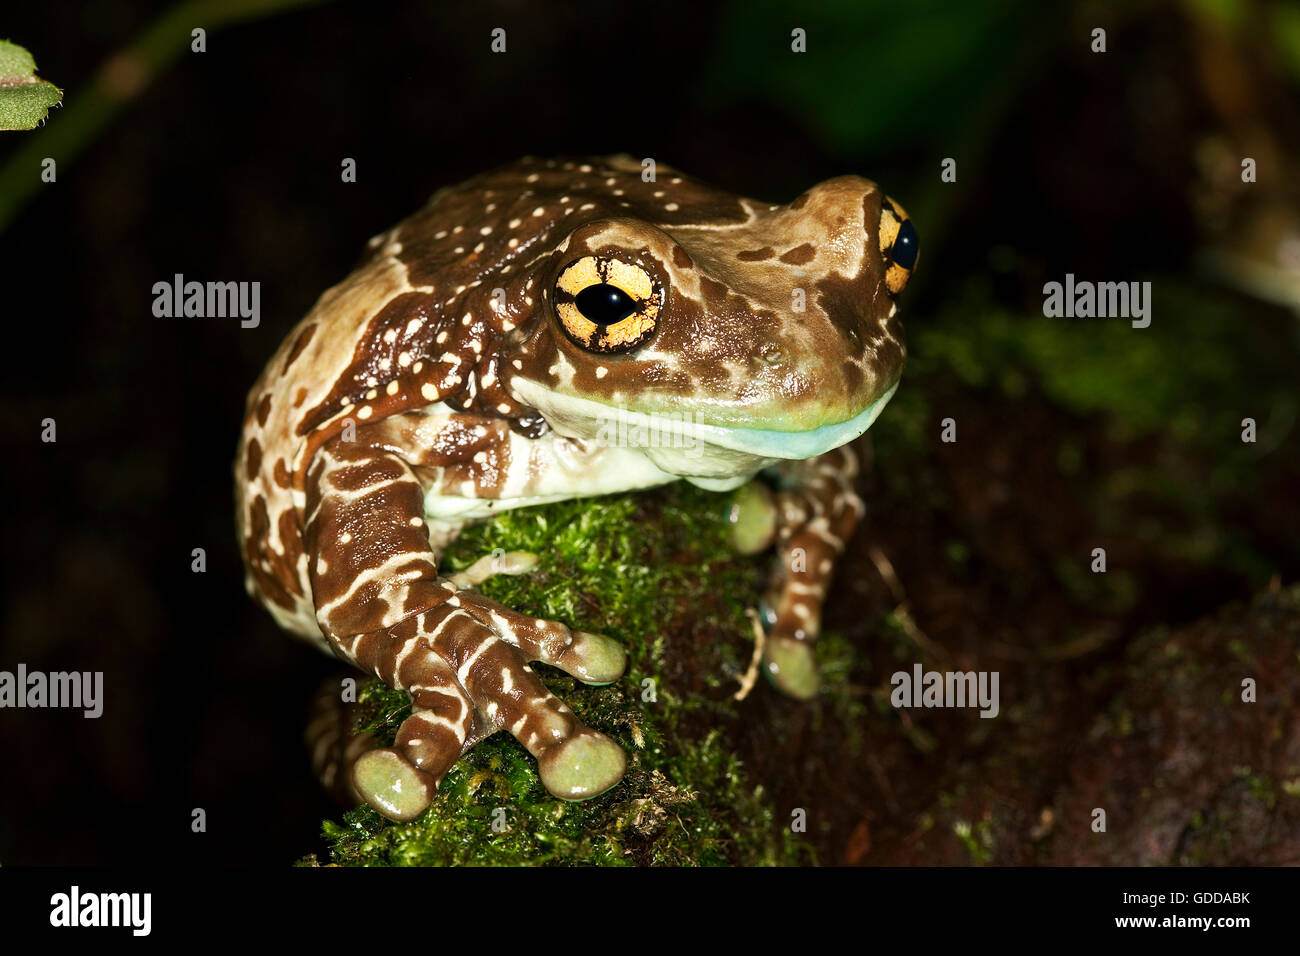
333	743
815	516
752	516
465	664
490	565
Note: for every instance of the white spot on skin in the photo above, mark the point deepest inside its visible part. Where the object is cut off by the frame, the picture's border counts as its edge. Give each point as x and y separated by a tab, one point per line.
404	359
365	411
428	392
514	223
442	337
601	371
671	207
486	230
392	388
390	336
538	211
503	408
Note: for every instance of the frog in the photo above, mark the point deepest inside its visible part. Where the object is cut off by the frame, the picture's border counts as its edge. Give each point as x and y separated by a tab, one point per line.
549	330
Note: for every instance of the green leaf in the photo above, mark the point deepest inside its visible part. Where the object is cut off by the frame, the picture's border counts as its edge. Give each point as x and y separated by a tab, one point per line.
24	99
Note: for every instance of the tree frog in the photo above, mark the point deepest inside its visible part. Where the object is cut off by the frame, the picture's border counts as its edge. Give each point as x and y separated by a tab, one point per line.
549	330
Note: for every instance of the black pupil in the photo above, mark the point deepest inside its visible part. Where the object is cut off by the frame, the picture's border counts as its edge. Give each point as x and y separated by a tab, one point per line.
906	245
604	304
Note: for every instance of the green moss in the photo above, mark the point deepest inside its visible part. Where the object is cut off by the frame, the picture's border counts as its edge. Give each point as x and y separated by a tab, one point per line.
636	567
1161	379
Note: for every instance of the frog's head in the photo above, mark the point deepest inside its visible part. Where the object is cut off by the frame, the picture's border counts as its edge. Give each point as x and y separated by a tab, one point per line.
756	332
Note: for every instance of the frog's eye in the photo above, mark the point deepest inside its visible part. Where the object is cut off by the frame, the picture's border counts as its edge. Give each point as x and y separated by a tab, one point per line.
898	245
607	305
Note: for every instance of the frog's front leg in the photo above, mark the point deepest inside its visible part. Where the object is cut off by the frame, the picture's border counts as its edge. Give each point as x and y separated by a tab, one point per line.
812	515
383	606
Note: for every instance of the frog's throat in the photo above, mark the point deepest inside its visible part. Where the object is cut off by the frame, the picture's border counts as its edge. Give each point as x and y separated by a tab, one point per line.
584	418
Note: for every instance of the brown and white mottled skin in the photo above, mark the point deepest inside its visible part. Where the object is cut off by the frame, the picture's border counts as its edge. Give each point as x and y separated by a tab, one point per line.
464	367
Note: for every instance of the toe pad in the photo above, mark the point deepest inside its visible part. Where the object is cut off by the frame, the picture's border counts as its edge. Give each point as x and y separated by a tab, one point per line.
582	767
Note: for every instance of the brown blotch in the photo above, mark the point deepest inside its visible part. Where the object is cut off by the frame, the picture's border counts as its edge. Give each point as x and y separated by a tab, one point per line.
253	459
264	409
300	398
276	575
291	538
373	353
800	202
756	255
799	255
299	344
681	259
281	473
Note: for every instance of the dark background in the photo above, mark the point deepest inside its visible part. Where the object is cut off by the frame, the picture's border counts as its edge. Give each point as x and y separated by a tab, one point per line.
226	167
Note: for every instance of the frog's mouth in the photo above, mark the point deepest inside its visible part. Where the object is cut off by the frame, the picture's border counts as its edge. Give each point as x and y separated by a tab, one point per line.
659	433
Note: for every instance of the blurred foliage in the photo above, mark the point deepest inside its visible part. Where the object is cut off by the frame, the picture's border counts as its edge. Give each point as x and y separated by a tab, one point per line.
883	74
